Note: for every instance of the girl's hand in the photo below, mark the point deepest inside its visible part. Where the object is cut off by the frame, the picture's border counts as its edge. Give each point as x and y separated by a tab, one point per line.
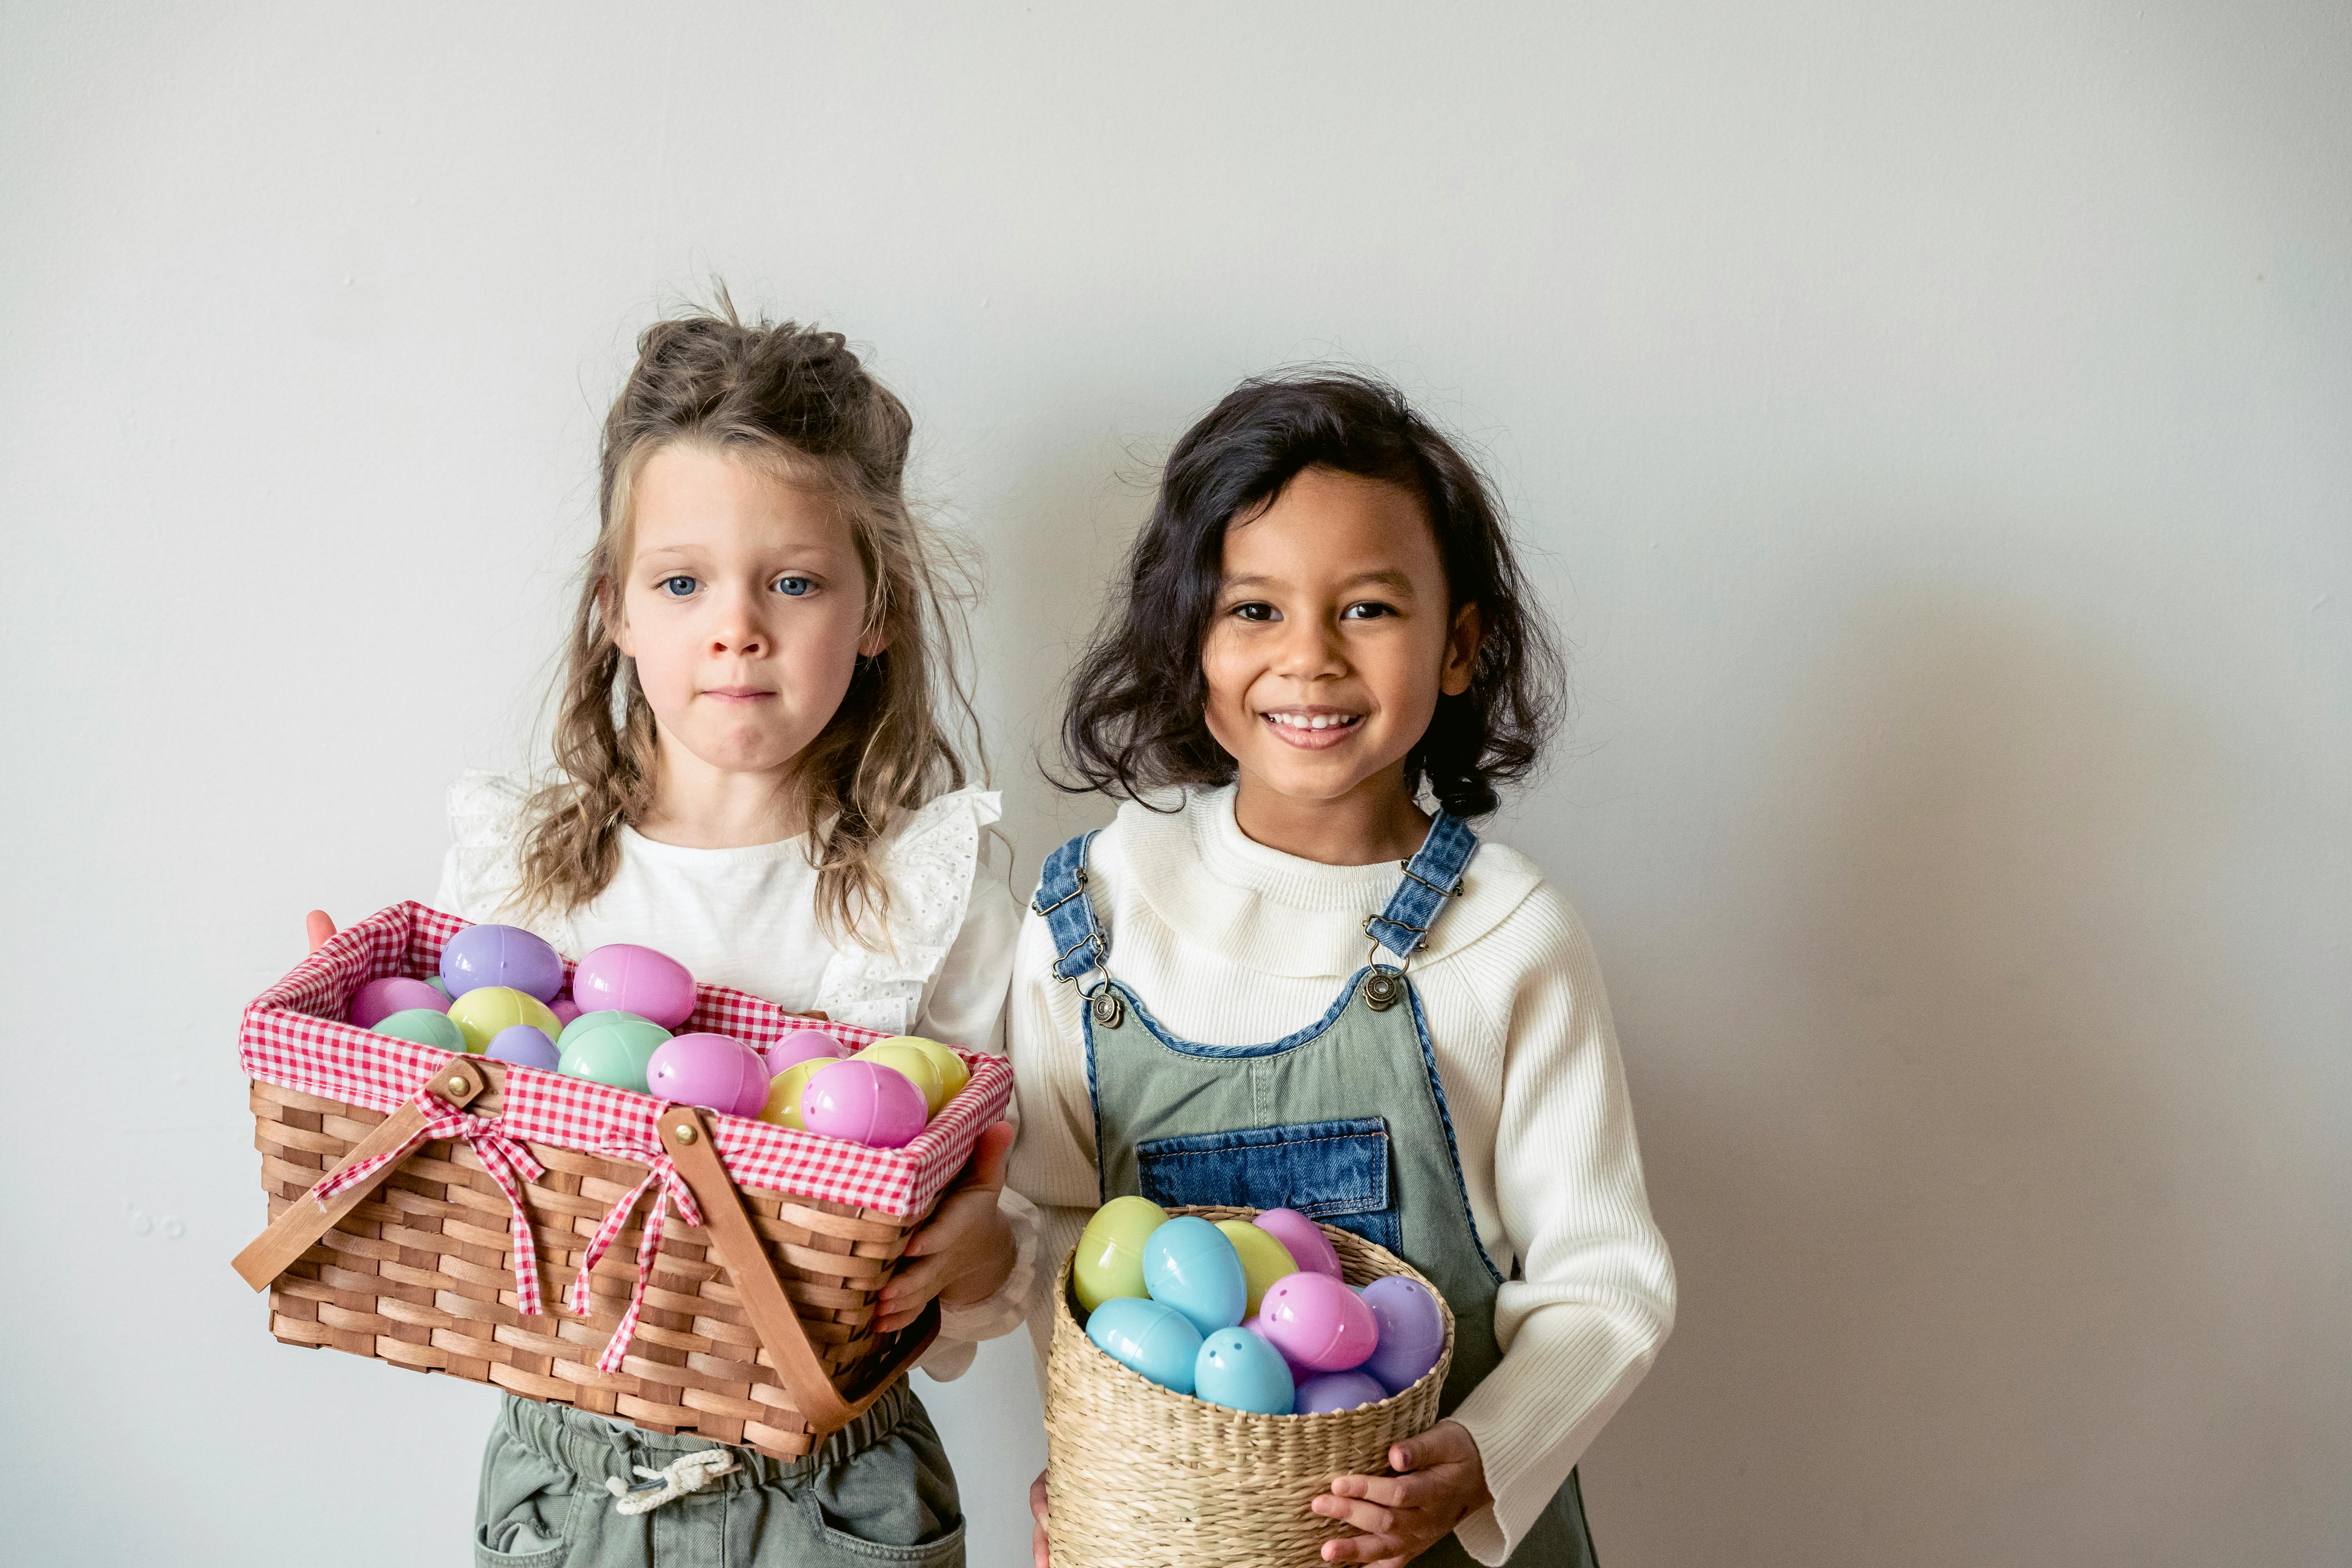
1040	1556
965	1251
320	928
1440	1481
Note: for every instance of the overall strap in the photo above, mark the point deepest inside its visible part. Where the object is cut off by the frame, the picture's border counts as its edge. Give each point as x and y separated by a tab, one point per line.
1433	876
1069	914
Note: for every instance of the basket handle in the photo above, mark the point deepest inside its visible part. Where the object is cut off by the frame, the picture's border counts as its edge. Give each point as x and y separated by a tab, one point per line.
302	1222
686	1136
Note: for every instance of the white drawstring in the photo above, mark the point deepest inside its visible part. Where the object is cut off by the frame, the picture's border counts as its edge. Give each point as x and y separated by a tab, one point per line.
686	1474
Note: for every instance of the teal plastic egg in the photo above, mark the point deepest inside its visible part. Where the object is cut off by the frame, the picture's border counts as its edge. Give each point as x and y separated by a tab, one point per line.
585	1022
1146	1338
1189	1265
617	1052
425	1026
1238	1370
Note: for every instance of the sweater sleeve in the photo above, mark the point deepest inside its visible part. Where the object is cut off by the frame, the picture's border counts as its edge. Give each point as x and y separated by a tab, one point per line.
1054	1162
1592	1298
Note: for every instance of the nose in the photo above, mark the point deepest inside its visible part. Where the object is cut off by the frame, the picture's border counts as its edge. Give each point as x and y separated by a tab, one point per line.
735	631
1310	648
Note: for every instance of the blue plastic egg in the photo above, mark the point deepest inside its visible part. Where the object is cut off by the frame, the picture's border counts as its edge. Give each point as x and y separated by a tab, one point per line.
1339	1390
1188	1264
1148	1338
1238	1370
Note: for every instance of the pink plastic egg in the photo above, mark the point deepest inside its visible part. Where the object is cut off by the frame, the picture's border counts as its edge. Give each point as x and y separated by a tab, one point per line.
716	1070
380	999
1317	1322
634	979
801	1045
864	1102
565	1008
1300	1372
1309	1248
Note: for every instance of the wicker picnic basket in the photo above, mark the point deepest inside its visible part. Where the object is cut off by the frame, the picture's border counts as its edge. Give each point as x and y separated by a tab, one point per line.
1138	1477
754	1326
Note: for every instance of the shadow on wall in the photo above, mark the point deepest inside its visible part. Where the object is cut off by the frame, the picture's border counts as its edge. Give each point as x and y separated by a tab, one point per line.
1970	1196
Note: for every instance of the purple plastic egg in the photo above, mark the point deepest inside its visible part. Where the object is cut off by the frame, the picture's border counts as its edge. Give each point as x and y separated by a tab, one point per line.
801	1045
380	999
500	955
635	979
1309	1248
1338	1391
1317	1322
716	1070
526	1045
1411	1331
864	1102
565	1008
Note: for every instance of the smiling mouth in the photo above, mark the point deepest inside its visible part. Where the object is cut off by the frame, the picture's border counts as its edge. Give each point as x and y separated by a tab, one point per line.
1313	728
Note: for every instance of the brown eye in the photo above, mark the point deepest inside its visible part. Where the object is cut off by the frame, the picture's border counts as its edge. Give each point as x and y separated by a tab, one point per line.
1256	610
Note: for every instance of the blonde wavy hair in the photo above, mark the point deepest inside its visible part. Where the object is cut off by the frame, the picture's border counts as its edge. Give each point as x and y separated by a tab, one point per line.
796	397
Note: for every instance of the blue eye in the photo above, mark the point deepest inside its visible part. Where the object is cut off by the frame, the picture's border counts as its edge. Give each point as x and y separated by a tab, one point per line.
678	587
793	587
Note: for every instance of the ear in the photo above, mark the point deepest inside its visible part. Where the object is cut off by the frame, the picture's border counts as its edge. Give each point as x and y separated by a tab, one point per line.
873	641
1461	651
616	619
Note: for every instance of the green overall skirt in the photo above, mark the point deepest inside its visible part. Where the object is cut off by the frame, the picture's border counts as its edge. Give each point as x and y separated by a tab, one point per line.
1344	1120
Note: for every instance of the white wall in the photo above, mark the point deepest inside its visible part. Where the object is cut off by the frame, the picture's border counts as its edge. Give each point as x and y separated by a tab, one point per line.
1933	422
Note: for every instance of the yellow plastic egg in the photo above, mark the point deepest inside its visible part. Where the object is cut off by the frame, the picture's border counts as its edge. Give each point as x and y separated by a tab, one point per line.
953	1074
482	1012
1264	1260
783	1107
1109	1261
901	1055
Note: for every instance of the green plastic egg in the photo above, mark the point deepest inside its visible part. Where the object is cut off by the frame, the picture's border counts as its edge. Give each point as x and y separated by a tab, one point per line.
616	1052
1109	1261
1263	1258
482	1012
587	1021
426	1026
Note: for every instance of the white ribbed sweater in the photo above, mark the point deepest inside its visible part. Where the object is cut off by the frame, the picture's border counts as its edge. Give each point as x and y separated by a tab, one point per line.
1232	943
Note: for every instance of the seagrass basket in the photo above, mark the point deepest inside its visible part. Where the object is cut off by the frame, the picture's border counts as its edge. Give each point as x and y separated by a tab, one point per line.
755	1327
1138	1477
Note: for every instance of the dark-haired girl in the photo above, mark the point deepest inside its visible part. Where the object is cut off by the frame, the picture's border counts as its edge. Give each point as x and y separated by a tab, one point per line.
1289	973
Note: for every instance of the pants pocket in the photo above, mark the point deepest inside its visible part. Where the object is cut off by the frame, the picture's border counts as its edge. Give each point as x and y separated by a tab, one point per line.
1334	1172
894	1502
523	1513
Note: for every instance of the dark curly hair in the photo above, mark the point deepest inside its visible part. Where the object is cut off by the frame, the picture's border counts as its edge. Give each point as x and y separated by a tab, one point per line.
1137	718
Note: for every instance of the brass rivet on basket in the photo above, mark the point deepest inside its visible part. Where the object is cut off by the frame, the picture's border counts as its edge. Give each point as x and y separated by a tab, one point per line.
686	1132
456	1086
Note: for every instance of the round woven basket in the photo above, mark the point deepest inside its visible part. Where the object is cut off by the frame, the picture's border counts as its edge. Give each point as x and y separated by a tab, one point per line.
1138	1477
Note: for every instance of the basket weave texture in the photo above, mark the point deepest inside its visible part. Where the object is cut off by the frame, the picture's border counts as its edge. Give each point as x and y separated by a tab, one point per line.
1138	1477
420	1273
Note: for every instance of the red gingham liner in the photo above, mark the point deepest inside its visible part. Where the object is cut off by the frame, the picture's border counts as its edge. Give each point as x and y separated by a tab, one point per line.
293	1036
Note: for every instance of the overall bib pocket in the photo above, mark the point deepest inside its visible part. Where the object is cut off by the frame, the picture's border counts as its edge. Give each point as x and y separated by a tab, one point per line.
1333	1171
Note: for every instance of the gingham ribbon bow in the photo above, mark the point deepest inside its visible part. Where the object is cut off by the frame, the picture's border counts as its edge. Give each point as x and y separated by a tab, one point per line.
509	1165
659	1169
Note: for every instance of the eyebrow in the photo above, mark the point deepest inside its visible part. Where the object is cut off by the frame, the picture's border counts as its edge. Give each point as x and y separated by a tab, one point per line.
1391	578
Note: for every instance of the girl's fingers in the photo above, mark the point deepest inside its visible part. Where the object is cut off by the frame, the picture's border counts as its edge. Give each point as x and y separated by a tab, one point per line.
916	1283
1364	1548
1389	1491
1366	1516
317	926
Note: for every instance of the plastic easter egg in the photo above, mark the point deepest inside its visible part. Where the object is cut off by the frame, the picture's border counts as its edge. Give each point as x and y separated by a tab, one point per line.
953	1073
616	1052
1300	1374
524	1046
636	979
1411	1328
426	1026
1302	1238
1109	1259
1317	1322
864	1102
784	1091
583	1022
1339	1390
565	1008
1148	1338
500	955
716	1070
1189	1265
485	1010
1237	1369
1264	1260
803	1046
440	989
380	999
919	1069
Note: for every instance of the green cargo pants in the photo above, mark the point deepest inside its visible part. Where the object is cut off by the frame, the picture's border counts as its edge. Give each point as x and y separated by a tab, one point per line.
878	1492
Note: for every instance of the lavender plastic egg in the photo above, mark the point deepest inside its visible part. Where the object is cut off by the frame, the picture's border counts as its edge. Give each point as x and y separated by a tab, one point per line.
1237	1369
500	955
1411	1331
1338	1391
565	1008
803	1046
425	1026
635	980
864	1102
1303	1238
525	1046
1317	1322
380	999
716	1070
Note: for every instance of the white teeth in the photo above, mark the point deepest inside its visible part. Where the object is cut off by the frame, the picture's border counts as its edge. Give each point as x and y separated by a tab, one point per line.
1314	722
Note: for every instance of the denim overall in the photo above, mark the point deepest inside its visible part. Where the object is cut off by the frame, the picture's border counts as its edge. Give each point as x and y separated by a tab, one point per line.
1344	1120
